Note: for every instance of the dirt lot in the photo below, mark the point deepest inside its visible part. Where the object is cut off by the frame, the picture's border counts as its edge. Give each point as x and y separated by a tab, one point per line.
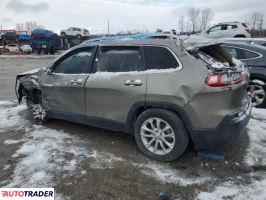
82	162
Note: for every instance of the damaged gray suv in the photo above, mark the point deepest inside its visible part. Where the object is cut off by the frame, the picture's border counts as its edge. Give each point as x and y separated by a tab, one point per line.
163	93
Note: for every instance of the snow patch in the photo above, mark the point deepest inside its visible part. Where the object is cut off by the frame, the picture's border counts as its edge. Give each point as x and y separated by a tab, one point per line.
229	190
257	135
170	175
9	116
42	156
9	142
6	167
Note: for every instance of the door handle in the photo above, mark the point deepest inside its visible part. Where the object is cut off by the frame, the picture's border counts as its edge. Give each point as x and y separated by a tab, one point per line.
133	82
76	82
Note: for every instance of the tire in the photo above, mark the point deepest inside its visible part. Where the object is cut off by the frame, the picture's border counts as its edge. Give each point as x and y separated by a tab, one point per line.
36	51
63	34
43	52
257	93
79	37
176	135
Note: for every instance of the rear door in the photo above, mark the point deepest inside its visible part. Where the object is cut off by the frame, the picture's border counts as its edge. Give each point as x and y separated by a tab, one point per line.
63	88
117	82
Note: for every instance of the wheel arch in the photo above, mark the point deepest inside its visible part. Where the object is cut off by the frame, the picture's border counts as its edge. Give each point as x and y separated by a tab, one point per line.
140	107
240	36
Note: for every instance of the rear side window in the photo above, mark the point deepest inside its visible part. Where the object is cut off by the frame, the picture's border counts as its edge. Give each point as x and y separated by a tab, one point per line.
118	59
159	58
234	26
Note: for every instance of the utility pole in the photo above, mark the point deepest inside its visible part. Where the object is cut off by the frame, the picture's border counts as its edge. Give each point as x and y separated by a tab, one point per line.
108	28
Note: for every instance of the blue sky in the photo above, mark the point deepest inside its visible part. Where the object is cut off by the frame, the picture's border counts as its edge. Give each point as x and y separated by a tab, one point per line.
122	14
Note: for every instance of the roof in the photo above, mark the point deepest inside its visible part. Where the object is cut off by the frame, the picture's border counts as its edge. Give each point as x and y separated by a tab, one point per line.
161	42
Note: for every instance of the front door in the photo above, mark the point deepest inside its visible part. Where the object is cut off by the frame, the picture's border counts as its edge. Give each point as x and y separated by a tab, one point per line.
63	88
117	82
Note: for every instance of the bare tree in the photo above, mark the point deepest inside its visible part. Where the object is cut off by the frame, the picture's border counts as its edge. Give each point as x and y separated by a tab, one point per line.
20	27
27	26
181	24
206	16
256	17
260	22
193	15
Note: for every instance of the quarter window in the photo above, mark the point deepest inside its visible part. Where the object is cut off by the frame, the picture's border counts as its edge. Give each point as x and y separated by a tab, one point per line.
159	58
241	53
249	54
118	59
77	63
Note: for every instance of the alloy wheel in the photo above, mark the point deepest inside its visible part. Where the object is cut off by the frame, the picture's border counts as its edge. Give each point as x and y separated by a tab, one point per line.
157	136
256	93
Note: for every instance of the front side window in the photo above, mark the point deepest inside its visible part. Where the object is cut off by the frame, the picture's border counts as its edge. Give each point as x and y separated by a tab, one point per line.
159	58
118	59
76	63
215	28
224	27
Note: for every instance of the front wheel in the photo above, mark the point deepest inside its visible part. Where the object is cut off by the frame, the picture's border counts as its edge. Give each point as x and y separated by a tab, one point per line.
161	135
257	93
37	111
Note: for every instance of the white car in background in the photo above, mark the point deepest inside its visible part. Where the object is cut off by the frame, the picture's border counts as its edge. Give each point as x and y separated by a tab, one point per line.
17	48
228	30
12	47
75	32
26	48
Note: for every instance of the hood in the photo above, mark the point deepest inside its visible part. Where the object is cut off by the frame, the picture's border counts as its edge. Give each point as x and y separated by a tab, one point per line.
31	72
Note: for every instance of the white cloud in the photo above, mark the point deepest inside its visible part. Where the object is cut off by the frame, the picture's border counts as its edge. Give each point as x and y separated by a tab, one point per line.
126	14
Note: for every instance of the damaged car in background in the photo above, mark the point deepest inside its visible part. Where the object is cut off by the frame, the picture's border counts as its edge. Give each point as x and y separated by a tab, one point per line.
166	94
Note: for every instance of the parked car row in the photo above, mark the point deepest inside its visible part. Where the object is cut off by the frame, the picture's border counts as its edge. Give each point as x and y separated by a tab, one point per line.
17	48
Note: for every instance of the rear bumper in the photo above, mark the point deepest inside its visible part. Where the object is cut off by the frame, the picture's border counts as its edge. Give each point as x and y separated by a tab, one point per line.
225	133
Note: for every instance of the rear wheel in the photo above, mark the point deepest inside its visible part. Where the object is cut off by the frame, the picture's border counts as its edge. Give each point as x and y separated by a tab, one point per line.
161	135
43	51
257	93
36	51
79	37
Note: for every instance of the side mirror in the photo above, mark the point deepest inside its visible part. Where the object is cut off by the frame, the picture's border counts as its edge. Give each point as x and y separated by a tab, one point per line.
48	71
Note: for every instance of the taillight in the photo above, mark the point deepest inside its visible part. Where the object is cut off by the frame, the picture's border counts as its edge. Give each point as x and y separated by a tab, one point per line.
223	79
248	30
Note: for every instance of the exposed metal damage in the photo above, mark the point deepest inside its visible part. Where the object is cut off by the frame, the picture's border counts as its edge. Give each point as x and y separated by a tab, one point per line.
28	87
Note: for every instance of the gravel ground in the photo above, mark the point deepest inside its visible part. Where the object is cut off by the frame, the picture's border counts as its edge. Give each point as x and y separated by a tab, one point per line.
82	162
